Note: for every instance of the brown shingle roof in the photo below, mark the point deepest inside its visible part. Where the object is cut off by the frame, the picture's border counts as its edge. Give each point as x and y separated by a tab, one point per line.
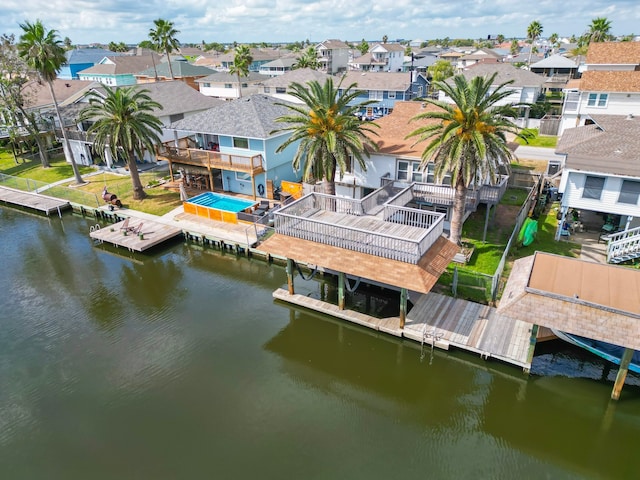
614	53
610	81
122	65
397	125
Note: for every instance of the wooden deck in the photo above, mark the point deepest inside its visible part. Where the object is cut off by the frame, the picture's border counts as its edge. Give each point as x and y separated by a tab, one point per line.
151	234
469	326
442	321
370	223
34	201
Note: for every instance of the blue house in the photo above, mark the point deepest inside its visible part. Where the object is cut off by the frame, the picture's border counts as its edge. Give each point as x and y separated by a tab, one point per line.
81	59
385	88
230	147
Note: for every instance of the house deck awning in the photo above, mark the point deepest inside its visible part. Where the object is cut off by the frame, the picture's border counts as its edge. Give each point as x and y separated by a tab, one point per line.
419	277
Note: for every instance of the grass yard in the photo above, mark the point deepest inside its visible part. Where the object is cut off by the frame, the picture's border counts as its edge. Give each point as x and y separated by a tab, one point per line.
536	140
32	169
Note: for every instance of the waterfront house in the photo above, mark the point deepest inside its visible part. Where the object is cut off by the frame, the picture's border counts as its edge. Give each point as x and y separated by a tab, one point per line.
177	99
610	84
601	173
386	88
278	86
397	162
117	71
225	85
333	56
232	147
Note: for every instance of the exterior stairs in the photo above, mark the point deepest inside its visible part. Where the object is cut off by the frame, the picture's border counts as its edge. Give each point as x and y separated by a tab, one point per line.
623	246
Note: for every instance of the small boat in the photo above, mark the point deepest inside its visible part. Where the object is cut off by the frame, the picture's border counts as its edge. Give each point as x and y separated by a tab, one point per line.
605	350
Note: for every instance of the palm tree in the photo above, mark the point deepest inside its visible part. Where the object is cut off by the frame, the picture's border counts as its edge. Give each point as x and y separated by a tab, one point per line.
534	30
241	63
164	39
308	59
42	50
123	120
469	141
328	131
553	40
599	30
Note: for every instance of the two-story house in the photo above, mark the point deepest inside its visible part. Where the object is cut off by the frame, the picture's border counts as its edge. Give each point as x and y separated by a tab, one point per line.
232	146
610	84
602	174
385	88
333	56
382	57
224	85
182	71
481	55
278	87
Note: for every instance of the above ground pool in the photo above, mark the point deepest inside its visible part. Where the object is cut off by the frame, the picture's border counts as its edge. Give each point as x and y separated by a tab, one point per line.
216	206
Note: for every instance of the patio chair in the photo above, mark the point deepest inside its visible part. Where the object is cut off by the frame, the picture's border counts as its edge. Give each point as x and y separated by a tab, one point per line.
125	226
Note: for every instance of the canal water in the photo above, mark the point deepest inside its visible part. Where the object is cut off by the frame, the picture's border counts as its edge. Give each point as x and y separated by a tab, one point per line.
179	365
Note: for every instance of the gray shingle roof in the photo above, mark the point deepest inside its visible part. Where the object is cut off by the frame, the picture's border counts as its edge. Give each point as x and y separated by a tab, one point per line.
301	75
226	77
180	69
378	80
251	117
506	72
555	61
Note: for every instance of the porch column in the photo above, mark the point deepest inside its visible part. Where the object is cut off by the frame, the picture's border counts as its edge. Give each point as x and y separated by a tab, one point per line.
629	220
289	271
253	185
341	291
403	306
622	373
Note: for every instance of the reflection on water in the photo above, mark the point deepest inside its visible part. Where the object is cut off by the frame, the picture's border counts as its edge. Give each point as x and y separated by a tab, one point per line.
179	364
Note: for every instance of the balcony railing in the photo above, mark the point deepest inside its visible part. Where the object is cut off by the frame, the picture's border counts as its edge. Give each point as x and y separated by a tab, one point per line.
209	159
411	233
492	194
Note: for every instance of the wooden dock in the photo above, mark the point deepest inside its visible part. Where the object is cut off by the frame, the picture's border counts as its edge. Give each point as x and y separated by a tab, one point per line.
33	201
444	322
150	234
470	326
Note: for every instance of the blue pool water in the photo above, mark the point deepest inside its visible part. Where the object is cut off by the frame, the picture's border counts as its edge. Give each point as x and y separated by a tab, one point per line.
221	202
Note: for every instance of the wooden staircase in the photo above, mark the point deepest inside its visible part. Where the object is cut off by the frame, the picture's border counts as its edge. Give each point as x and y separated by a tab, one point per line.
623	246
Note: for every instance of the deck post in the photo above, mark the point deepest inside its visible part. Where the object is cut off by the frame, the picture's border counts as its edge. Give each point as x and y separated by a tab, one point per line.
622	373
253	185
341	290
403	306
532	347
486	223
290	276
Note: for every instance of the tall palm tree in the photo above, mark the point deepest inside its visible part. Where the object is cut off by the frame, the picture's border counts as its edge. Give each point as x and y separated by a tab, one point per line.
599	30
241	63
43	51
328	131
308	59
124	120
164	39
469	141
534	30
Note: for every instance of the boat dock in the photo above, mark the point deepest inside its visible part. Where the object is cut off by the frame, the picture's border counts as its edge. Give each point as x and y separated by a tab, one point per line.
444	322
33	201
134	234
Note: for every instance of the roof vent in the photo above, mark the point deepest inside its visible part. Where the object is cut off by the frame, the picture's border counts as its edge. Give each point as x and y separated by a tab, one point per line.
630	116
67	85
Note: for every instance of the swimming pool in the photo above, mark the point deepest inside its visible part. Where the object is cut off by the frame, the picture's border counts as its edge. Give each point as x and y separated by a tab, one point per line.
216	206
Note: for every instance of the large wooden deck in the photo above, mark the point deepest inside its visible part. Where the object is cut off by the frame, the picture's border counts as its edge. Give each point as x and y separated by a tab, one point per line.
34	201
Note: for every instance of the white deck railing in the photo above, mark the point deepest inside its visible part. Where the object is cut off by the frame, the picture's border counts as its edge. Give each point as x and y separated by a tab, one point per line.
623	245
296	220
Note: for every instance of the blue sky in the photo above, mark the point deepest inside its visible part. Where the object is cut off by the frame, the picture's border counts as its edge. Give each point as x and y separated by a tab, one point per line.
85	21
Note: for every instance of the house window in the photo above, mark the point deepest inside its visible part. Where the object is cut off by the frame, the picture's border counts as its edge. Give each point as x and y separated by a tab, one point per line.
206	84
391	95
375	94
281	89
245	85
431	175
176	117
629	192
243	177
228	85
239	142
408	171
598	99
267	90
593	187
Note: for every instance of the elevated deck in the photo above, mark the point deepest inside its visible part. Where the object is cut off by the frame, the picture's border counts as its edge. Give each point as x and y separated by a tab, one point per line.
33	201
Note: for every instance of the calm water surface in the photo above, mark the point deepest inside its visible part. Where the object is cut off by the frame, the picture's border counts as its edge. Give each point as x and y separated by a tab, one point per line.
179	365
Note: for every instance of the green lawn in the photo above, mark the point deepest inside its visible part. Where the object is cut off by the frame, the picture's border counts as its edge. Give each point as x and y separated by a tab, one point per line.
536	140
32	169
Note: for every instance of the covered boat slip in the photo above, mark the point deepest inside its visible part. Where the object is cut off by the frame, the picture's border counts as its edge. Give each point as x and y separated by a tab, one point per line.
597	301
